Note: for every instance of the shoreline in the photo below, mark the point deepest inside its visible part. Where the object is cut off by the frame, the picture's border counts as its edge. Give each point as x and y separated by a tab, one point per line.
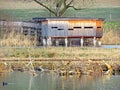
82	59
88	67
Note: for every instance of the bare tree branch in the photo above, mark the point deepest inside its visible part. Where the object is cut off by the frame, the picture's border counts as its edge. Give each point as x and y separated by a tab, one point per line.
66	6
75	8
45	7
58	7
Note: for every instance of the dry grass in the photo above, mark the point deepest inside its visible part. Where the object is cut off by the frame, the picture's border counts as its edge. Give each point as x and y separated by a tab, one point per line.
111	37
14	39
2	67
72	53
62	53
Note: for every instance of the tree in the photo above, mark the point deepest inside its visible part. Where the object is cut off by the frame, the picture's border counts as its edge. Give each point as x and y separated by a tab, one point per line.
58	7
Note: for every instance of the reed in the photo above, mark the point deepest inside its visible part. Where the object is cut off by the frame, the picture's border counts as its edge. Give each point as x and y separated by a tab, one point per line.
111	38
17	39
111	34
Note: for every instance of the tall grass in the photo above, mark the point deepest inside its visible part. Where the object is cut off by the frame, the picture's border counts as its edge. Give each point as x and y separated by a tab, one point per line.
11	36
111	37
17	39
111	34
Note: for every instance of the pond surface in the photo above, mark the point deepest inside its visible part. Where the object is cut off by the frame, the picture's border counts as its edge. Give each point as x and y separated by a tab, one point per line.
51	81
110	46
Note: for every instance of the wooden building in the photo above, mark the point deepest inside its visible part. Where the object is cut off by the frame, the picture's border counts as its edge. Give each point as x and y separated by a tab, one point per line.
71	31
24	27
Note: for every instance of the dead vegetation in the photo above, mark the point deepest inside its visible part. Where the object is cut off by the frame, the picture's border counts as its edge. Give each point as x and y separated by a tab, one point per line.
17	39
2	67
111	38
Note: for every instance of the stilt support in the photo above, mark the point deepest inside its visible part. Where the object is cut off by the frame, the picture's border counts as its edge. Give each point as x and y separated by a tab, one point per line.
99	42
49	42
44	42
82	41
66	42
94	41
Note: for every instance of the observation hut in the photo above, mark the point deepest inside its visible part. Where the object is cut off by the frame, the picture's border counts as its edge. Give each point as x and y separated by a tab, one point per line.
71	31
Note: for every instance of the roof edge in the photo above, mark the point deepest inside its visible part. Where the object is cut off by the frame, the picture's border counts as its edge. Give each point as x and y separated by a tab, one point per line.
65	18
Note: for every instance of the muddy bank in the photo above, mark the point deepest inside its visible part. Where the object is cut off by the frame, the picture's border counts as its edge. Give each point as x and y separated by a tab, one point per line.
66	67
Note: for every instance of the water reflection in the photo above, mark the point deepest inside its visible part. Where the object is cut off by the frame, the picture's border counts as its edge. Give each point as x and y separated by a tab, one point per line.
30	83
51	81
75	82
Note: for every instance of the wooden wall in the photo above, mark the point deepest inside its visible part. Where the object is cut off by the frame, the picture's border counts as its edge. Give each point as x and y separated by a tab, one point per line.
72	28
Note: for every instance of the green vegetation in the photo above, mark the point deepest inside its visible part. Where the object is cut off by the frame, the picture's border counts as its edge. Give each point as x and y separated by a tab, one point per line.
111	25
110	14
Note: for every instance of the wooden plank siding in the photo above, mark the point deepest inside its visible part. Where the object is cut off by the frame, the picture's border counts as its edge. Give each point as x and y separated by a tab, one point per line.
72	28
79	30
99	28
57	28
44	28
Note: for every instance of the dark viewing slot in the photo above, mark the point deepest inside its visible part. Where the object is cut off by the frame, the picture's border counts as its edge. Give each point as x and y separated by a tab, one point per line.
77	27
60	29
54	27
98	27
70	29
88	27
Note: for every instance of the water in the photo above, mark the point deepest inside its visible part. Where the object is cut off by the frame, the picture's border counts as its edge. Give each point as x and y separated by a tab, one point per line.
51	81
111	46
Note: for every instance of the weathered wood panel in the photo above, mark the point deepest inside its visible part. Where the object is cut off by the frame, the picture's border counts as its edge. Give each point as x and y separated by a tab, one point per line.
82	28
72	28
99	28
58	28
44	29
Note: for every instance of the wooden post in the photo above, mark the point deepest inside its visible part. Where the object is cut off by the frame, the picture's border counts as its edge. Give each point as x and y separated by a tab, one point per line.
70	42
81	42
49	43
57	42
66	42
44	42
99	42
94	41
